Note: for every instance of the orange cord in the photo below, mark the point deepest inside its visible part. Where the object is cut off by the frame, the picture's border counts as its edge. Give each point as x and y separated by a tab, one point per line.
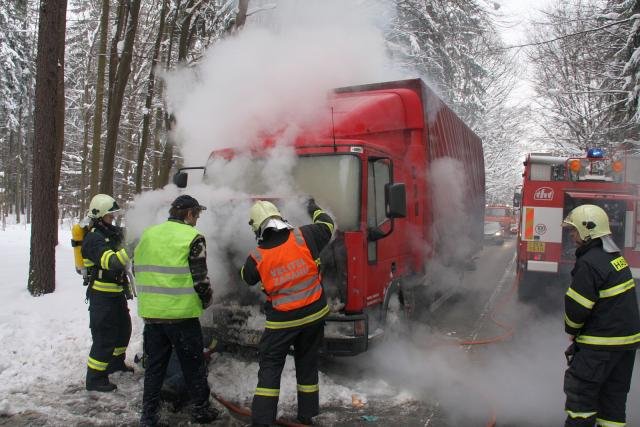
247	413
509	329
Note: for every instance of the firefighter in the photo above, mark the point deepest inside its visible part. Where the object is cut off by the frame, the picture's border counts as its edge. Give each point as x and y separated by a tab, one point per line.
173	289
286	262
601	317
107	293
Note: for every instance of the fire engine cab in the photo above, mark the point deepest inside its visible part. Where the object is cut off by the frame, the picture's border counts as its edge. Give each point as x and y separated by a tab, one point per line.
503	214
552	186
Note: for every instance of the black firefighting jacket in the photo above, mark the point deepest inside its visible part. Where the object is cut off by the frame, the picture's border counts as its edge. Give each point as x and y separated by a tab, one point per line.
601	307
316	236
104	258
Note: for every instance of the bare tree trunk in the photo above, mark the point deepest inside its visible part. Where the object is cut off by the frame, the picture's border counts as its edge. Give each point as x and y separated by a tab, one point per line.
167	153
144	142
183	50
155	173
28	159
19	168
116	97
49	134
97	116
85	150
9	179
128	156
241	17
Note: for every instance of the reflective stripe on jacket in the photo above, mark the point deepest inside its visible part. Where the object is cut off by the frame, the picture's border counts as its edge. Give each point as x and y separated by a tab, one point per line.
601	307
289	274
163	279
104	259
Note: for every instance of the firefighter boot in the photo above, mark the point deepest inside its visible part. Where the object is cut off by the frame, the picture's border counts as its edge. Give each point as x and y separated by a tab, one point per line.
204	413
117	365
307	421
152	421
99	381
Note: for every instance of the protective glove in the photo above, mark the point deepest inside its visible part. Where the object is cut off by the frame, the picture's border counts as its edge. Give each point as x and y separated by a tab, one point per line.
203	289
127	291
130	246
312	206
570	352
206	299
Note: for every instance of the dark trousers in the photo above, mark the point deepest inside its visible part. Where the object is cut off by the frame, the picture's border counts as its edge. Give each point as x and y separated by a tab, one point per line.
596	384
159	340
273	349
110	325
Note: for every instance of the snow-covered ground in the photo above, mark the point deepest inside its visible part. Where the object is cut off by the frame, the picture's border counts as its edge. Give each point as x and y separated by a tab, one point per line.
46	340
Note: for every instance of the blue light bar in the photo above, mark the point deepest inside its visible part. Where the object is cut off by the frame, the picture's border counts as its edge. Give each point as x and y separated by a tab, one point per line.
595	153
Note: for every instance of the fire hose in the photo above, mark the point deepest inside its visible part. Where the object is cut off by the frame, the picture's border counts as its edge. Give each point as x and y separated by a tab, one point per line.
247	413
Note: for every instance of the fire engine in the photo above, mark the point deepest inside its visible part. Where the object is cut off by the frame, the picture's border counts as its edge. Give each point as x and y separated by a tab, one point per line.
503	214
375	157
552	186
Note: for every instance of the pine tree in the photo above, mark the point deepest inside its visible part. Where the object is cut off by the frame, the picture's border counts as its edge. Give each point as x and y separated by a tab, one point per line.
49	134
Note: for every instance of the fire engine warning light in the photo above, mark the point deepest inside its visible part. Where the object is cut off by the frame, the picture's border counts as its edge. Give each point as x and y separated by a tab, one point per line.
595	153
574	165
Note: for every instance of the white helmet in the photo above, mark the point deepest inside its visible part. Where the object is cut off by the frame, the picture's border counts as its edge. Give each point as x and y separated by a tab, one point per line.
591	221
102	204
263	215
261	211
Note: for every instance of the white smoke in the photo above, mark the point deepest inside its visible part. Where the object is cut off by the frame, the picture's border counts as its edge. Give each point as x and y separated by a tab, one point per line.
275	73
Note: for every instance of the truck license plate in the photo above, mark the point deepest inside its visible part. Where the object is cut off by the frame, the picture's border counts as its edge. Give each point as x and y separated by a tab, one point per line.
535	246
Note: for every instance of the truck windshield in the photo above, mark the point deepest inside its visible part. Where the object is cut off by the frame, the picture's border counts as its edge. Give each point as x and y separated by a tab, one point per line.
334	180
496	212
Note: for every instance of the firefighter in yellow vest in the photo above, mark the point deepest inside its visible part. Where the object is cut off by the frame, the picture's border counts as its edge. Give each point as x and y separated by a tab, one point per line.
602	319
107	293
286	262
173	288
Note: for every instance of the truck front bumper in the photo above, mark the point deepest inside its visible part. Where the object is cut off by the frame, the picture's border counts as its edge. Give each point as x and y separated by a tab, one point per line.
345	334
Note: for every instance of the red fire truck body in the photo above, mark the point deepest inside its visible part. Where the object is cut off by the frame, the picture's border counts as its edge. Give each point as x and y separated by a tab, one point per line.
374	156
552	187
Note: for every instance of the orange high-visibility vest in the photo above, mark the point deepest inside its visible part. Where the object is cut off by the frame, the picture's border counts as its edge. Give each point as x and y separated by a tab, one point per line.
289	274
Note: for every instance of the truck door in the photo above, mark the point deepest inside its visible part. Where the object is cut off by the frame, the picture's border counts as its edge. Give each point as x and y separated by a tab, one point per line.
379	264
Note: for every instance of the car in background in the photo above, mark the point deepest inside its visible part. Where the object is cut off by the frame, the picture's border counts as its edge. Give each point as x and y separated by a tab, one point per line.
493	233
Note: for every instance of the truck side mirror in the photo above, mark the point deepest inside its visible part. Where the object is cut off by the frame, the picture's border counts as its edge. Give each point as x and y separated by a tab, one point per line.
396	200
180	179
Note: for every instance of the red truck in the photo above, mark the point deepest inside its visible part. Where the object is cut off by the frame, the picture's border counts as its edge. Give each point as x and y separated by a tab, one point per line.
503	214
552	186
376	156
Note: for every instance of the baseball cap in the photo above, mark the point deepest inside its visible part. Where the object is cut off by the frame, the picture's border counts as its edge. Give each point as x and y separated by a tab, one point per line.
186	202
